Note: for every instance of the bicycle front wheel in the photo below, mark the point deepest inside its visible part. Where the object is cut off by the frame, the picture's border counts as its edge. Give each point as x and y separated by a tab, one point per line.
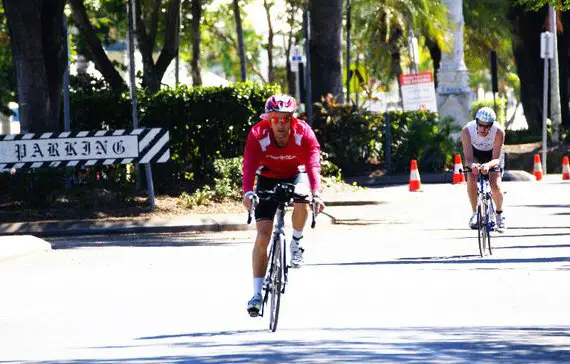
276	283
481	231
488	228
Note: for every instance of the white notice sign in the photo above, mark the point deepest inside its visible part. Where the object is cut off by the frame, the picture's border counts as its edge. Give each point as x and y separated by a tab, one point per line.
418	91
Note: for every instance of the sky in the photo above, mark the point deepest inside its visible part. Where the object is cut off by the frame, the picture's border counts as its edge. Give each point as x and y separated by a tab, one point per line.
256	14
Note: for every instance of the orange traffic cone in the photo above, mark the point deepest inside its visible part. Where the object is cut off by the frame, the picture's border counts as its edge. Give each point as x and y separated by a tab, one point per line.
415	182
565	168
458	176
537	167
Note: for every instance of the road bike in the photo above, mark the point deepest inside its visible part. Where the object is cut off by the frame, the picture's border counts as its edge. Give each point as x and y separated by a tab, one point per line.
486	214
276	277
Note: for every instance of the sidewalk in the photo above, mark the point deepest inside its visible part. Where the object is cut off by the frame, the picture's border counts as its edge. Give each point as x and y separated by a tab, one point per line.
23	237
223	222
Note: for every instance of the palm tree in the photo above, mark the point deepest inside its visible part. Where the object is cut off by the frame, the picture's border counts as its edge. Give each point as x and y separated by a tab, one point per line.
325	48
382	28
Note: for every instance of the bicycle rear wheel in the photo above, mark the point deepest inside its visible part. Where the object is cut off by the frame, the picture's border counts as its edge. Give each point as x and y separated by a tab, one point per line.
276	282
481	231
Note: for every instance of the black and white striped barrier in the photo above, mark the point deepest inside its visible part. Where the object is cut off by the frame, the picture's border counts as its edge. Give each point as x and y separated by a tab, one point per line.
84	148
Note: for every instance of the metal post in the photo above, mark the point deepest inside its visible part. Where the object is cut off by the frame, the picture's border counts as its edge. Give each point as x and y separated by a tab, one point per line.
298	85
357	91
555	109
308	83
133	95
387	143
348	24
66	121
544	114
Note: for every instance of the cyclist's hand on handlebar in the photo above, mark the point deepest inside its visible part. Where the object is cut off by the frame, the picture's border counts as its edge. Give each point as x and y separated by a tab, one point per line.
475	168
248	198
319	204
484	168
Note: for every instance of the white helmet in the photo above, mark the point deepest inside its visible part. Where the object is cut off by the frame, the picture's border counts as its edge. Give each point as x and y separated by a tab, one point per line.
485	115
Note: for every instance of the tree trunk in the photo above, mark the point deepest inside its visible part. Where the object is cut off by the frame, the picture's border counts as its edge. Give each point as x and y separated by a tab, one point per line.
102	62
39	52
325	48
291	76
435	53
526	48
196	39
563	50
271	71
153	73
241	46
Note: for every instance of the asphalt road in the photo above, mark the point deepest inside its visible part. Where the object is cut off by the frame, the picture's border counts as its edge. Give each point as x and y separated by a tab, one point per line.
401	281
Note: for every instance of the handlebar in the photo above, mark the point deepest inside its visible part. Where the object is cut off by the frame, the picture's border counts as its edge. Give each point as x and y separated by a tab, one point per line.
492	169
282	193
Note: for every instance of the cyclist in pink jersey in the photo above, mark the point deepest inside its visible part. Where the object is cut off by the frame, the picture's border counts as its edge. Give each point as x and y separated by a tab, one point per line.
279	148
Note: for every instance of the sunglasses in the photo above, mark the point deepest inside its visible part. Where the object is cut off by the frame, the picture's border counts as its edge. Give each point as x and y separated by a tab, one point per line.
484	126
284	120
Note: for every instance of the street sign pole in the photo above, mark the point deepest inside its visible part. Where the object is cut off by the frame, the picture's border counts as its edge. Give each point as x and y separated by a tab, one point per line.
66	118
295	59
133	93
546	52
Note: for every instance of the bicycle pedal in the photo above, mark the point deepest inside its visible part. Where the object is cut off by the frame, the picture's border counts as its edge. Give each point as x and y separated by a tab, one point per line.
253	313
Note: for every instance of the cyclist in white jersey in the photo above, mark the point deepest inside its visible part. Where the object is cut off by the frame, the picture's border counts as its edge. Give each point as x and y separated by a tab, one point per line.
483	140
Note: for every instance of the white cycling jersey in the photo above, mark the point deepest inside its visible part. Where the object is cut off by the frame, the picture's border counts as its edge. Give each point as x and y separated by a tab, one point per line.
482	143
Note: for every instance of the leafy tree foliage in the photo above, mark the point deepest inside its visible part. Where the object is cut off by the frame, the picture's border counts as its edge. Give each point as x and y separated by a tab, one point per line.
8	75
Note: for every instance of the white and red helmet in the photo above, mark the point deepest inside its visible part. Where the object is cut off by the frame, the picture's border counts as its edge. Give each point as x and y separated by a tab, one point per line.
279	103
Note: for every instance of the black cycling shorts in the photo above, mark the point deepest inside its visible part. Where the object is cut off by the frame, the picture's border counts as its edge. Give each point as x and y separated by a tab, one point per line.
484	156
265	210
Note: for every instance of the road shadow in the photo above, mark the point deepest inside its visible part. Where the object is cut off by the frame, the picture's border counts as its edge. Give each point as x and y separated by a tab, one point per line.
532	246
143	241
357	345
461	259
508	228
506	235
563	206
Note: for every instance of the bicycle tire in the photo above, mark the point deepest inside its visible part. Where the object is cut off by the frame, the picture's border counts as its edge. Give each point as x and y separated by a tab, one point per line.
276	280
481	229
488	228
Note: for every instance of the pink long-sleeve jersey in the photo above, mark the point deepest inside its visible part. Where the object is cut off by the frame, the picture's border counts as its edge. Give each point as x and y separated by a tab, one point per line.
302	152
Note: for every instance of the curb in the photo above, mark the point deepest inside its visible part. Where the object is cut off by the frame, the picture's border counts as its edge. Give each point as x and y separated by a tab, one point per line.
429	178
76	228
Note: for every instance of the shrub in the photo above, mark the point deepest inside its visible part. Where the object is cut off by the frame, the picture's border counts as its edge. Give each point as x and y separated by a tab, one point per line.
349	136
353	139
226	185
422	136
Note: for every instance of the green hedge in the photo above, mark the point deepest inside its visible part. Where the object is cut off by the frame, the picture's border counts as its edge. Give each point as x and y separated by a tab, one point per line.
353	139
208	124
205	124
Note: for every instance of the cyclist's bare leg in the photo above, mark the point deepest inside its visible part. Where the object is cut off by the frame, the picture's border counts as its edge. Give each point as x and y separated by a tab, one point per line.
495	180
300	214
259	254
472	190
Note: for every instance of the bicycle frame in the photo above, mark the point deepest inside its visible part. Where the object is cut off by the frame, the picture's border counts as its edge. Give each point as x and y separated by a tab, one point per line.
485	213
276	277
278	269
485	200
